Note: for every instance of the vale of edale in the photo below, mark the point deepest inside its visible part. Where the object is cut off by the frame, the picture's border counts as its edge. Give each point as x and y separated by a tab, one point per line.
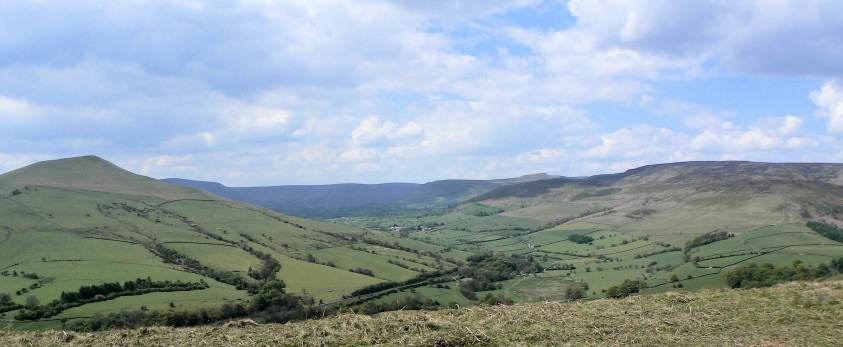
89	246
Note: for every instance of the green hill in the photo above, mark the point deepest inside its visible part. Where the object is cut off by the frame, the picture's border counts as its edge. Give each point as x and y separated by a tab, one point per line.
643	224
805	314
349	199
315	201
91	173
81	236
77	222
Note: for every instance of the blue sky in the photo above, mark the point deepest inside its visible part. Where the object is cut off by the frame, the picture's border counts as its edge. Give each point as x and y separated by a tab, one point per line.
312	92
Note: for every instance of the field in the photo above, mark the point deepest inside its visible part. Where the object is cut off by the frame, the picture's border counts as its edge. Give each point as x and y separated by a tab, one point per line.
58	235
110	226
804	314
643	241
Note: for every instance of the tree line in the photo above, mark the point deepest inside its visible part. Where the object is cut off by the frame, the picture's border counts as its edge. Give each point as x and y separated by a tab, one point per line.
171	256
754	276
101	292
827	230
707	238
271	304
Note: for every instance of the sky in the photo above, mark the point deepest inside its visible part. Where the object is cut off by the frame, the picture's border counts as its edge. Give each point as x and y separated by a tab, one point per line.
259	92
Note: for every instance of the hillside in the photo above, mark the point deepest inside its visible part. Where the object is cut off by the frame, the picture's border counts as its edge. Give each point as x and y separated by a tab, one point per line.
316	201
805	314
82	221
71	225
645	224
91	173
348	199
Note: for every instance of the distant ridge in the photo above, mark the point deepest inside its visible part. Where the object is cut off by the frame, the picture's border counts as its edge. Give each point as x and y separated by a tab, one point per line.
717	172
349	199
316	201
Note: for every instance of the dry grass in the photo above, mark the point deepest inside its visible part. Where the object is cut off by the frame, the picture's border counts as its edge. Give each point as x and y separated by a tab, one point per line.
805	314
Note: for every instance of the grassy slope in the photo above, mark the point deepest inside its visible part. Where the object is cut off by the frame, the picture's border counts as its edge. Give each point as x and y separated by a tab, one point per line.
765	205
93	174
68	220
785	315
84	221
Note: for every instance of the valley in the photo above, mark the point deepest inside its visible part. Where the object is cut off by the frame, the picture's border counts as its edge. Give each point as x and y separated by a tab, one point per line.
78	222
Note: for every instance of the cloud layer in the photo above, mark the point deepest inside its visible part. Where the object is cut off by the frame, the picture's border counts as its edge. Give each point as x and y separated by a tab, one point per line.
292	92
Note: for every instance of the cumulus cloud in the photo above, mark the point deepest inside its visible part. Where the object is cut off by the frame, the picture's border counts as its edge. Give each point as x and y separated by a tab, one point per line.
158	163
789	37
372	130
830	99
320	91
765	134
639	141
15	111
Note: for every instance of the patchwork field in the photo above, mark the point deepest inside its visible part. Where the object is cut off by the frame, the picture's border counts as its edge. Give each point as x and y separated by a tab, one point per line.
83	222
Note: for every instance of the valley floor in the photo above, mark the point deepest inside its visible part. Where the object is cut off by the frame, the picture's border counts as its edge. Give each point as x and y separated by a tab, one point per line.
804	314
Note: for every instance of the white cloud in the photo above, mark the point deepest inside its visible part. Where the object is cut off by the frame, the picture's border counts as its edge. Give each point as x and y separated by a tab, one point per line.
830	99
192	142
766	134
367	167
358	154
158	163
253	121
789	37
372	130
325	91
15	111
640	141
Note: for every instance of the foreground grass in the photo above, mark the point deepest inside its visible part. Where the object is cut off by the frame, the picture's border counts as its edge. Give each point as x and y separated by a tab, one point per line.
806	314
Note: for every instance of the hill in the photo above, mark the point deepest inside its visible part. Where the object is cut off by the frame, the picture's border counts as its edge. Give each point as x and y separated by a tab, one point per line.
681	225
804	314
316	201
81	236
349	199
83	222
91	173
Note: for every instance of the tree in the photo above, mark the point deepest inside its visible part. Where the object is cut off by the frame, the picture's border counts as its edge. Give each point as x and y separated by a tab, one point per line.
5	298
31	302
673	278
580	238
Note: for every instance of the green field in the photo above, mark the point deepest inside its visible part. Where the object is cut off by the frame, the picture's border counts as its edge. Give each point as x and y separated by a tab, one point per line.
61	229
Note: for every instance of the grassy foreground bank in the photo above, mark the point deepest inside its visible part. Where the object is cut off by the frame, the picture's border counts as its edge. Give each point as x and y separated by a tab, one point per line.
805	314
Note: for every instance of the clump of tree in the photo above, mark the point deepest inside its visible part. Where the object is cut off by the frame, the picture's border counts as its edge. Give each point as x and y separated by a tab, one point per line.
6	303
363	271
487	213
483	270
499	299
580	239
101	292
827	230
707	238
576	291
754	276
627	288
372	307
